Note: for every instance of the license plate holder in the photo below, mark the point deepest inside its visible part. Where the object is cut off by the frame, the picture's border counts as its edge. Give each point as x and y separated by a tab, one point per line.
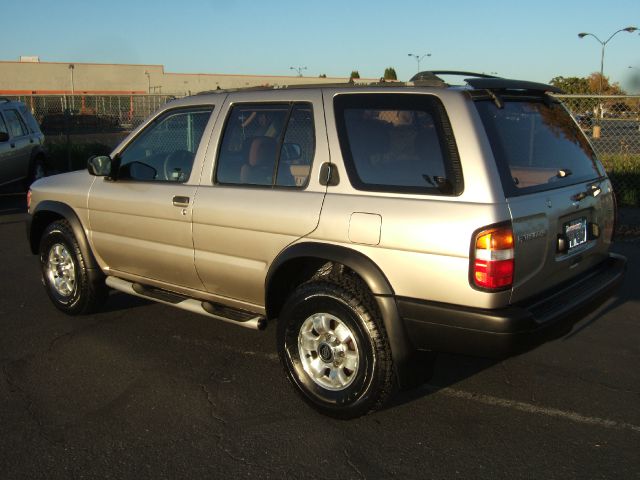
575	232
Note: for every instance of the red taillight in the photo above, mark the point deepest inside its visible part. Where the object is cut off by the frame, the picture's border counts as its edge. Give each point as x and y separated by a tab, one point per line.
29	200
492	262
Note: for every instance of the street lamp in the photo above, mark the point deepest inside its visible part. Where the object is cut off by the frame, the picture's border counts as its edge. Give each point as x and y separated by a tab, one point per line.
597	128
146	72
71	69
418	58
298	69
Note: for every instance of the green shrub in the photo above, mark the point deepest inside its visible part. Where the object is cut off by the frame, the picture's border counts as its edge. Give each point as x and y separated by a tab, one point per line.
624	172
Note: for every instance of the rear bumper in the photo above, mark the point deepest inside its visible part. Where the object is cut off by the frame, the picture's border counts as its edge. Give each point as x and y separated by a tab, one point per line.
513	329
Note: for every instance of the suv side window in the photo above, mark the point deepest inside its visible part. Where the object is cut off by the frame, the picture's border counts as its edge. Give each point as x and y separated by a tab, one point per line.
398	143
3	126
28	119
17	128
164	151
267	145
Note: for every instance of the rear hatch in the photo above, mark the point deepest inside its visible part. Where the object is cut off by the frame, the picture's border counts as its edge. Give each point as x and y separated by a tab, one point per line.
561	202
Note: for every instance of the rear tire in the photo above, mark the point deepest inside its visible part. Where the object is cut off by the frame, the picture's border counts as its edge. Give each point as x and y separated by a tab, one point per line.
334	349
65	274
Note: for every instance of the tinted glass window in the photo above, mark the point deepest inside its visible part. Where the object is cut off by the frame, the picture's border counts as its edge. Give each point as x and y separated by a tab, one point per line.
537	145
298	148
29	120
267	145
16	126
3	126
166	148
395	143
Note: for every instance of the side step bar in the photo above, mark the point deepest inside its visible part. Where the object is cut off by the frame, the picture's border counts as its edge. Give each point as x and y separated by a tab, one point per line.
209	309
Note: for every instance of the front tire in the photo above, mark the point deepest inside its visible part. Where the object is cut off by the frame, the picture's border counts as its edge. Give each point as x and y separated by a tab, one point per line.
334	349
65	274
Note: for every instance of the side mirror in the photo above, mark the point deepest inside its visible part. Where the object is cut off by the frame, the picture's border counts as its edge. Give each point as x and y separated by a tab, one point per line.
4	137
291	151
99	165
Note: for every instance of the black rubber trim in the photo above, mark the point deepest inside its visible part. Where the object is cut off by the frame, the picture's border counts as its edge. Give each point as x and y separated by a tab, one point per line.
356	261
65	211
506	331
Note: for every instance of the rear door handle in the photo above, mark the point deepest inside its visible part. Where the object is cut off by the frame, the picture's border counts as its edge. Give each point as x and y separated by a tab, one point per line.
179	201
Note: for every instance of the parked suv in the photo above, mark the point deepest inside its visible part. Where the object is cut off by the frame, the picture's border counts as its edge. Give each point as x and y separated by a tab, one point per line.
371	223
22	154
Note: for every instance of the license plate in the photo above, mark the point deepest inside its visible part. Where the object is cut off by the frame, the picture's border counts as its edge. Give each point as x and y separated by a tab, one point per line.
575	232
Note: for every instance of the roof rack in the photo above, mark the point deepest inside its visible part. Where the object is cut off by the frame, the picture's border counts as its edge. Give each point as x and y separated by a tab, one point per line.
430	75
386	83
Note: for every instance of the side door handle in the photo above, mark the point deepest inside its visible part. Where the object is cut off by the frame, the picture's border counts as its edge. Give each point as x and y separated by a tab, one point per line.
179	201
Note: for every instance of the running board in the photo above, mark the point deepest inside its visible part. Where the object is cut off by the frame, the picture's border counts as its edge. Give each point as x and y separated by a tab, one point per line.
208	309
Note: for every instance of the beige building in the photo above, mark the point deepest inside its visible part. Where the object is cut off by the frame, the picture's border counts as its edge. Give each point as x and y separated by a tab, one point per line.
31	76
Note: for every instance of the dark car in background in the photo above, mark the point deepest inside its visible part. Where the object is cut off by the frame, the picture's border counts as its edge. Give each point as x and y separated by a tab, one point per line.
22	152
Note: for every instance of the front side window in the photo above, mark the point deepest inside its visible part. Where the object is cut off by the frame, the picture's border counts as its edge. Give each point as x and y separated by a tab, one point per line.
16	126
3	126
537	145
397	143
165	150
267	145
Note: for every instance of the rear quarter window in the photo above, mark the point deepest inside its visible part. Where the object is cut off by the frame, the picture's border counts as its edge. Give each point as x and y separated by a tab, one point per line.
537	145
398	143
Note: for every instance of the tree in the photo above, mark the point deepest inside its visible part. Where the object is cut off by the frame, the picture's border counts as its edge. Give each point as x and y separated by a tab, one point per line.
586	86
572	85
354	74
390	74
607	87
322	75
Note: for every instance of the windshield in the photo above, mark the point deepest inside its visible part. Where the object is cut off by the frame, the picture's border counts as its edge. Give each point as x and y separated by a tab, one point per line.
537	145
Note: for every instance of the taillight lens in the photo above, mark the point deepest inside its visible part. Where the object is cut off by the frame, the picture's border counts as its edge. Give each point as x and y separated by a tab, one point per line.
493	261
29	200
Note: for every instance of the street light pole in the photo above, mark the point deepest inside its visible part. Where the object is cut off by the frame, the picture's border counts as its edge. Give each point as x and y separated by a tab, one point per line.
148	80
71	69
418	58
298	69
604	44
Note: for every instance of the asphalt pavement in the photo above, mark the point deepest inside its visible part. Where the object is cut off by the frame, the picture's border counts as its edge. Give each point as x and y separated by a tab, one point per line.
142	390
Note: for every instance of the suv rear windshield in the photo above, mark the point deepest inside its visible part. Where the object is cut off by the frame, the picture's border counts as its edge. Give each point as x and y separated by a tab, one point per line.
398	143
537	145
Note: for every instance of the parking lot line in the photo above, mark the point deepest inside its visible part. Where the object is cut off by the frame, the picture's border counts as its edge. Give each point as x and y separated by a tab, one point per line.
531	408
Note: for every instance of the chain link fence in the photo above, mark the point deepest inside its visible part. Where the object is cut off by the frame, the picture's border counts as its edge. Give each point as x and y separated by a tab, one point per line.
77	126
612	123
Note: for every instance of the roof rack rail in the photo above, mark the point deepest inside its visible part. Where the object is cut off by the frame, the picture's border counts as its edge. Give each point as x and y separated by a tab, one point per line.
346	84
431	75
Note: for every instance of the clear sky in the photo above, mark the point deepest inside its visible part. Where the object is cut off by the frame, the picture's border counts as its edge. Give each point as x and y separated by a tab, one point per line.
534	40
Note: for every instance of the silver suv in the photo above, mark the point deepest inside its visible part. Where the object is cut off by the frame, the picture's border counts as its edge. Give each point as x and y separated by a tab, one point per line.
371	223
22	153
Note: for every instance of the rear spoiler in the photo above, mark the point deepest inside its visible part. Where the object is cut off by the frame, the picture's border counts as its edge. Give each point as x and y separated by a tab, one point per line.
482	81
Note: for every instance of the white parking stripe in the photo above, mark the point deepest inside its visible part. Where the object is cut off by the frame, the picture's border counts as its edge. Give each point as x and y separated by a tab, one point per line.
530	408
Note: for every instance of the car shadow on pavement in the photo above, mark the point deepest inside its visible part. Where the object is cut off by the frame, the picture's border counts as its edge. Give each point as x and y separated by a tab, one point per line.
121	301
13	201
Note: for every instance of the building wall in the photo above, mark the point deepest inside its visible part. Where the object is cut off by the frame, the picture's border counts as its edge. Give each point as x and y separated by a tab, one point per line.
20	78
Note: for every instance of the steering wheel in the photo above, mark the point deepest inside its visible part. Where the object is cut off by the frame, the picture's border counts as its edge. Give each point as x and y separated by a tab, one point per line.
177	165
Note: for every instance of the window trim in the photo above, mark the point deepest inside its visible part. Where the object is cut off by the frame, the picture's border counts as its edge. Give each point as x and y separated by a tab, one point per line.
409	101
292	104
